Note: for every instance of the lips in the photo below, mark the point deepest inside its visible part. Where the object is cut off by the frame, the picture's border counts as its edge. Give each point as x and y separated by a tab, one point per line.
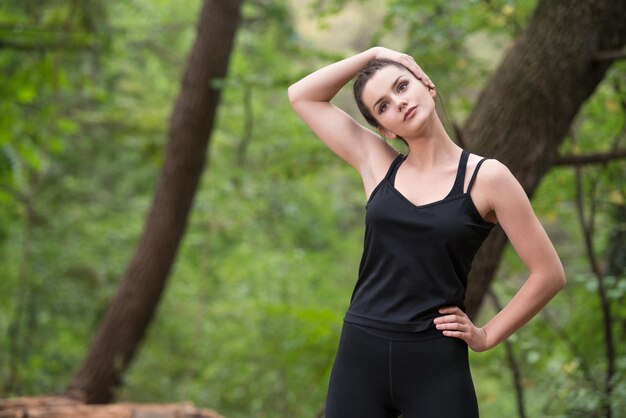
410	113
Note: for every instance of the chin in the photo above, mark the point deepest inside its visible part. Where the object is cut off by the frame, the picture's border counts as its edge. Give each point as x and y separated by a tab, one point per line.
416	126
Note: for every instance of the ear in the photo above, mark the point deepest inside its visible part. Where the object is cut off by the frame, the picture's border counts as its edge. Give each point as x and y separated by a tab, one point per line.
386	133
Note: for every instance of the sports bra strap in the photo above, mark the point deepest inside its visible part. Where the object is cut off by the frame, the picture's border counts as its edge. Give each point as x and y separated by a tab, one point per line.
391	173
469	188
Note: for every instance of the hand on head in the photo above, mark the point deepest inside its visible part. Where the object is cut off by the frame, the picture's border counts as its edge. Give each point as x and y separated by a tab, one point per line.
407	60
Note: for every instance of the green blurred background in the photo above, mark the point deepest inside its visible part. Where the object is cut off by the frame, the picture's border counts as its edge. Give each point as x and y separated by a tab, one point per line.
251	316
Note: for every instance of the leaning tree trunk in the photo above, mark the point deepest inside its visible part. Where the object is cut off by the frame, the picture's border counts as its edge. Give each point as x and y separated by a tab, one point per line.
134	305
528	104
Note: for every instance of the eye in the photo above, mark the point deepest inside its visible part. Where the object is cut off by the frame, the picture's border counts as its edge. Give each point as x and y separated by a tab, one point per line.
402	86
382	107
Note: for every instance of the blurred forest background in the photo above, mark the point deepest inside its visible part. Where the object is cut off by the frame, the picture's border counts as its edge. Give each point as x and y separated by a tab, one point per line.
249	321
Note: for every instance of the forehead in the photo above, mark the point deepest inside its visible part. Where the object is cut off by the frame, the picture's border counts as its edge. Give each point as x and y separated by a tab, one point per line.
381	82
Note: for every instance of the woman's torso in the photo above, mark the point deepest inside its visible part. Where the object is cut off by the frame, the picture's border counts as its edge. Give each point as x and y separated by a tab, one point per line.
416	258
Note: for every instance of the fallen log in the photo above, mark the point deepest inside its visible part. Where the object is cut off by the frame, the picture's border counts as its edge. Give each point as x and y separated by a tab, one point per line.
62	407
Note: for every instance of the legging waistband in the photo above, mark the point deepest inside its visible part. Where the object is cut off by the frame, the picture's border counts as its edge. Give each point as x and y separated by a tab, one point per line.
427	334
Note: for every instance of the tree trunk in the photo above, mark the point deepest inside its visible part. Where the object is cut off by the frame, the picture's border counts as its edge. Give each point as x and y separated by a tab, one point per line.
527	106
131	310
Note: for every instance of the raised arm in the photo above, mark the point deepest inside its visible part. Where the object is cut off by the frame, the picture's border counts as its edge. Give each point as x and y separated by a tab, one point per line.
310	98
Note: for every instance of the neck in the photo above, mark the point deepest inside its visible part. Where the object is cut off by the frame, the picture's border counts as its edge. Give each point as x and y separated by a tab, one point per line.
431	146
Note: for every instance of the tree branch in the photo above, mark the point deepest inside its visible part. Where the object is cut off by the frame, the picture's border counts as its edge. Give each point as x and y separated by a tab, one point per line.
513	365
587	224
15	193
601	157
618	54
576	352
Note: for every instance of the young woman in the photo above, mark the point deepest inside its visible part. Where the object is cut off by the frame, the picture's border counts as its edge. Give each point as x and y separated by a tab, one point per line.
404	342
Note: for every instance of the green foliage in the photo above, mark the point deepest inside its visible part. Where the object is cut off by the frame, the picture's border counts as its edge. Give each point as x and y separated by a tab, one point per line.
250	320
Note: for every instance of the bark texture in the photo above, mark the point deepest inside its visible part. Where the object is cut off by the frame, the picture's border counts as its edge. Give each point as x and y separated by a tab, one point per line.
132	308
528	104
60	407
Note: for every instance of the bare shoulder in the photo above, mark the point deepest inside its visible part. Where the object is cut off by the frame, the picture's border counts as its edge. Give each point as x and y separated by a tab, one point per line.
493	171
493	182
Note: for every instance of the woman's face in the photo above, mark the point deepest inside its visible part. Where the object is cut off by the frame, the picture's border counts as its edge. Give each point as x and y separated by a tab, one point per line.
400	102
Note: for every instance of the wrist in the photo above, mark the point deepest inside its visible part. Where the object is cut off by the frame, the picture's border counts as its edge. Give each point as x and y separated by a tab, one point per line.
373	52
489	342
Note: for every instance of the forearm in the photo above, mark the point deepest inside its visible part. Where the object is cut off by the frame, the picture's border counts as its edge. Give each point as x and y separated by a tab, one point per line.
536	292
323	84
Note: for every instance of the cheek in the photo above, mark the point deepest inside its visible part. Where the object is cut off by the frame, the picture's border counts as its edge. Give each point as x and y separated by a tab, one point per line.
420	89
387	120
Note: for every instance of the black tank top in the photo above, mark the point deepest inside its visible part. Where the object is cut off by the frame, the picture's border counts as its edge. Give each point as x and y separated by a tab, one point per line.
415	258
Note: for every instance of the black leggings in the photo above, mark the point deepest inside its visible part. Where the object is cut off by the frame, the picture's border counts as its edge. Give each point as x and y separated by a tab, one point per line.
382	374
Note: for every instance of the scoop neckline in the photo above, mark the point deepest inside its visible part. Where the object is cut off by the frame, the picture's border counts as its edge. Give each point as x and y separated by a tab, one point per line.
436	202
449	196
441	201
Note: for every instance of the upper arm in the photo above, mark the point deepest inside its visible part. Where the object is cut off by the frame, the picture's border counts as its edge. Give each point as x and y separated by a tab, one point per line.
351	141
517	218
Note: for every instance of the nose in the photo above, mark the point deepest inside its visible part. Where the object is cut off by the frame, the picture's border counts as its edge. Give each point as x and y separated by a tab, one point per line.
401	103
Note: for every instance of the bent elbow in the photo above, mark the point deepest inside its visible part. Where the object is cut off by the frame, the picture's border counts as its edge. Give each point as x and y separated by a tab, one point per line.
558	275
292	93
560	280
554	282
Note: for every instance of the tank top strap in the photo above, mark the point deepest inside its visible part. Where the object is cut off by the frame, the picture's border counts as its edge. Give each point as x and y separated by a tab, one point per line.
469	187
393	168
457	187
